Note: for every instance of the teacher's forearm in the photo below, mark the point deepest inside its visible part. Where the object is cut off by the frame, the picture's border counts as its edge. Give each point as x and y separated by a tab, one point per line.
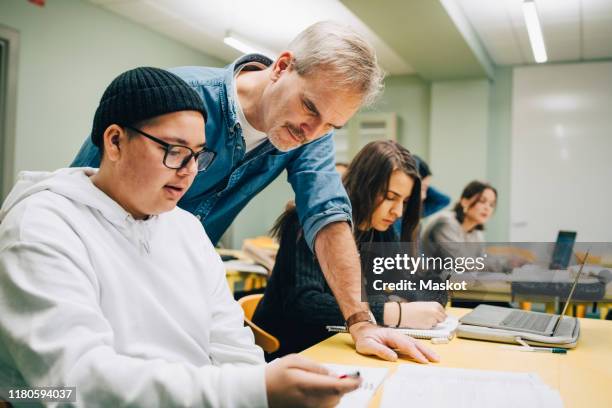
339	260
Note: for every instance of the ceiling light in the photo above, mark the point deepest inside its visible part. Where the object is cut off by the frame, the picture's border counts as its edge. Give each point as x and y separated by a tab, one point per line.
535	31
245	46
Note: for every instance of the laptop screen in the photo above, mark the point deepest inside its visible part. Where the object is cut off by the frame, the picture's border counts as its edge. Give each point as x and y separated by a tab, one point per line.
562	253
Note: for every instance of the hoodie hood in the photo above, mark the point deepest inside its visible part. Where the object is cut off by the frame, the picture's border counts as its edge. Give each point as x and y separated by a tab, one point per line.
75	184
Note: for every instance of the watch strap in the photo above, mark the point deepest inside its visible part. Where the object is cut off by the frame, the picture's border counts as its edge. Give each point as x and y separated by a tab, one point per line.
363	316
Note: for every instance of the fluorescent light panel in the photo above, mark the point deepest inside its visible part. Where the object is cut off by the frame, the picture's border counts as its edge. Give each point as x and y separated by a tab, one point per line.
535	31
239	45
244	46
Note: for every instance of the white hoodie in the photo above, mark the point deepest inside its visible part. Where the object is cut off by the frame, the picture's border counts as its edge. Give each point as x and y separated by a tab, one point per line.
130	312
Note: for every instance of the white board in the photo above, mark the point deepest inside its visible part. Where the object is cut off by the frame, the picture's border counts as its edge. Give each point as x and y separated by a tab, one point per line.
562	152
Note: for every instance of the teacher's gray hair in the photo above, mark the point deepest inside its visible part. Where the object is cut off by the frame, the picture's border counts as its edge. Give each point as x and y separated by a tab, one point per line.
342	54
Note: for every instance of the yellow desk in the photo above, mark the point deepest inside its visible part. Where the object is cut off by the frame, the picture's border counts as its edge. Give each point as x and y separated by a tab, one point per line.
583	376
245	281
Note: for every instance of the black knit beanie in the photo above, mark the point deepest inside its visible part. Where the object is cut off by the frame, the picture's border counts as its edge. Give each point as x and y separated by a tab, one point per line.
143	93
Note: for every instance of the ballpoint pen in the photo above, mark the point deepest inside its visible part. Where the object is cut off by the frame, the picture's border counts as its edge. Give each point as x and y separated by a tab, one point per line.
555	350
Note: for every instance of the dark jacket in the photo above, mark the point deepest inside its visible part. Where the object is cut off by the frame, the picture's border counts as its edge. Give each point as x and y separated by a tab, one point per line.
298	303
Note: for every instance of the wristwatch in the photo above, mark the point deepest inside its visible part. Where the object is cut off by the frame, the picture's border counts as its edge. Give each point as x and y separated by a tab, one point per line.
363	316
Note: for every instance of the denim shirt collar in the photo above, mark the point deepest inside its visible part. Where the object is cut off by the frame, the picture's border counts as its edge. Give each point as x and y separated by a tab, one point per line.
232	117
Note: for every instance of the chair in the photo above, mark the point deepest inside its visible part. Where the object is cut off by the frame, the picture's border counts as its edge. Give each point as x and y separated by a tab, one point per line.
262	338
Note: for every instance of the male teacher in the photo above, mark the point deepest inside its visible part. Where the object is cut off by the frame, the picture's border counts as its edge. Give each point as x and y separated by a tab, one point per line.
266	116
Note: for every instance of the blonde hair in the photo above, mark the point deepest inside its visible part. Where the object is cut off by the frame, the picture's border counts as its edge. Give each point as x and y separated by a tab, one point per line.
346	57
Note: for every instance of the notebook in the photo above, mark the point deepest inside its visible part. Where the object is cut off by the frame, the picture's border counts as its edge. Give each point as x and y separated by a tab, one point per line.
445	329
371	378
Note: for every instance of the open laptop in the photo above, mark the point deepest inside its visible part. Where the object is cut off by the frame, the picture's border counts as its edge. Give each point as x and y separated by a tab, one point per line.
544	324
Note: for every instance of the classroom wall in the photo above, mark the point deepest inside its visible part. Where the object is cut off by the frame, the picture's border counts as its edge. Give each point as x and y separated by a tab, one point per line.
499	152
69	52
259	215
409	97
561	146
458	133
470	138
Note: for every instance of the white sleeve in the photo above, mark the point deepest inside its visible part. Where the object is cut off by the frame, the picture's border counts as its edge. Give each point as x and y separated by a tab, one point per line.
230	340
54	330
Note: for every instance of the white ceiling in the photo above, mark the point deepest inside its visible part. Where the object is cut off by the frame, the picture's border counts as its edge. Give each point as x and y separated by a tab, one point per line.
574	30
271	24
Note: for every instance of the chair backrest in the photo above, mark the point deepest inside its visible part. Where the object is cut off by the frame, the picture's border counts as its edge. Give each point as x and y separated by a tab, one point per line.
262	338
249	304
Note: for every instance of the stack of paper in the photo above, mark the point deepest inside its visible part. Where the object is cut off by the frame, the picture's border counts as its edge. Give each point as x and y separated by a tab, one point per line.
370	381
427	386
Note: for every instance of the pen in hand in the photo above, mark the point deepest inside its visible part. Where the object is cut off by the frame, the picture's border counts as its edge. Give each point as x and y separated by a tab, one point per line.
356	374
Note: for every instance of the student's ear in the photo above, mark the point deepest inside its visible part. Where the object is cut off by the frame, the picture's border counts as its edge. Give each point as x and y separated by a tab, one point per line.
282	64
114	136
465	204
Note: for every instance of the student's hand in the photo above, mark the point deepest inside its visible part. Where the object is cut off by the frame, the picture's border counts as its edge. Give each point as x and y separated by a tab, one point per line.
295	381
386	343
422	315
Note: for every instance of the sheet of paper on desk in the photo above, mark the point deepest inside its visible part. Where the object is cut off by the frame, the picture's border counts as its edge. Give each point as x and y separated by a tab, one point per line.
243	266
371	378
428	386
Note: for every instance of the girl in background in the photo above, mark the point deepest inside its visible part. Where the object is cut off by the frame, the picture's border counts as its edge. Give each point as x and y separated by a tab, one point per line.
464	224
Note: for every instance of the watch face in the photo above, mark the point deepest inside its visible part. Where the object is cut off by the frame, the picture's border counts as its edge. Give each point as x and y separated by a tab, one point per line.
372	318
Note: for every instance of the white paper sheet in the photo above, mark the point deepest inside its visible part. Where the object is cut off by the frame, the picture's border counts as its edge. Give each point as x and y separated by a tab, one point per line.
371	378
427	386
244	266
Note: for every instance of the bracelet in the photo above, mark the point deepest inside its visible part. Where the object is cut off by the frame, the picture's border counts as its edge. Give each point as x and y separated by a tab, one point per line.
399	321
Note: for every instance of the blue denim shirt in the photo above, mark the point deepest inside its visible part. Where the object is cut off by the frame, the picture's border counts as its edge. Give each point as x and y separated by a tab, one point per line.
218	194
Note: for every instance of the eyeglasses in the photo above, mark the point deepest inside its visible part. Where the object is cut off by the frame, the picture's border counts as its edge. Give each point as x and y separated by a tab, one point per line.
178	156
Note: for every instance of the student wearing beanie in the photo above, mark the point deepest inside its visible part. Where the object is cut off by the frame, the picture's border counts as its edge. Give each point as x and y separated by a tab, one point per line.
107	286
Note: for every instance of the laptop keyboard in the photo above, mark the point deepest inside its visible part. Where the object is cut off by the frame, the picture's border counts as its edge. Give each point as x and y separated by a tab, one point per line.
526	320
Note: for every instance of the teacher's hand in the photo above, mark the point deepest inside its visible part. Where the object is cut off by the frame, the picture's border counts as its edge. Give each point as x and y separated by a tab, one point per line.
386	343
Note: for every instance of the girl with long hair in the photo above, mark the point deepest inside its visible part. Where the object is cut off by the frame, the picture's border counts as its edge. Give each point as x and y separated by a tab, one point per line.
383	185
